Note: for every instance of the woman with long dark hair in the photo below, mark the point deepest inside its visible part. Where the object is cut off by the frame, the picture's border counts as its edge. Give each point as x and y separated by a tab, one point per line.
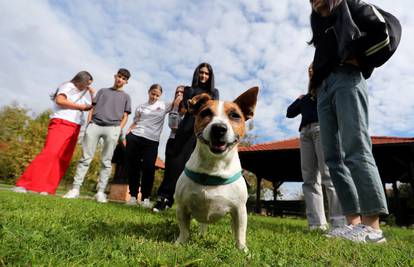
185	140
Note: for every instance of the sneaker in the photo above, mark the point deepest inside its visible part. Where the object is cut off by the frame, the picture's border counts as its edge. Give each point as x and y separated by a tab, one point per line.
340	231
365	234
161	205
146	203
44	193
19	189
73	193
132	201
101	197
322	228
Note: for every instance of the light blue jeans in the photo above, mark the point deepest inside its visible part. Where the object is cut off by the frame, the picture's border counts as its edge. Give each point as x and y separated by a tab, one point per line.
315	173
343	118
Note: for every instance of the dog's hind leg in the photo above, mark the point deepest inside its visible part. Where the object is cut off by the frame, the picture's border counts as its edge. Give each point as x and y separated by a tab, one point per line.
183	219
239	225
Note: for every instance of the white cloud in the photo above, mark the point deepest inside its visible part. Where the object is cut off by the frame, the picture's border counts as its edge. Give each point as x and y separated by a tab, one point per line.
247	42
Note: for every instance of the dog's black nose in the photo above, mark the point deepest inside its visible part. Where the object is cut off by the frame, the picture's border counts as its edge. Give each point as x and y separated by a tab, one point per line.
218	130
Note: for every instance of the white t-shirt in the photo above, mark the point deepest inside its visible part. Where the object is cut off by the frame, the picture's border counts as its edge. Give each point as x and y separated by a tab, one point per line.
149	119
73	94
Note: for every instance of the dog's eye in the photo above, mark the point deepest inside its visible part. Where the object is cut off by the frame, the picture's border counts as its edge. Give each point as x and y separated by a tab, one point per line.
206	112
233	115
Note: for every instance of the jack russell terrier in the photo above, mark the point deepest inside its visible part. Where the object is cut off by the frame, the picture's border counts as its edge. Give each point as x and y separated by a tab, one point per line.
211	184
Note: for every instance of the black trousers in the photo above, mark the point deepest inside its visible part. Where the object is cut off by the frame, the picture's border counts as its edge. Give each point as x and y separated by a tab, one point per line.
171	173
141	154
177	153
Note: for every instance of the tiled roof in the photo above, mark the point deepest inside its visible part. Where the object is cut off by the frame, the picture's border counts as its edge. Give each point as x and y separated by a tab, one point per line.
293	143
159	163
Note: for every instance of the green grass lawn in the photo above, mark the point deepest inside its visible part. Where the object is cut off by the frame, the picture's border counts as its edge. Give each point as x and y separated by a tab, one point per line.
47	230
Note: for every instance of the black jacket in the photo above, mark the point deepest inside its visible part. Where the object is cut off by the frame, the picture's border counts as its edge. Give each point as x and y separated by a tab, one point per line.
305	106
357	28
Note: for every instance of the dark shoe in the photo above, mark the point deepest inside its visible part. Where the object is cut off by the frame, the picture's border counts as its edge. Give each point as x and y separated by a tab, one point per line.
161	205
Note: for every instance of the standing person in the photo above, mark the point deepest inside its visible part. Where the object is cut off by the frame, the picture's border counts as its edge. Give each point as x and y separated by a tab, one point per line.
312	161
142	145
111	108
166	190
185	140
342	98
47	169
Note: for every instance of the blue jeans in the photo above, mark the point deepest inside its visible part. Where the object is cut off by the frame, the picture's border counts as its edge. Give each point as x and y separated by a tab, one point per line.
343	118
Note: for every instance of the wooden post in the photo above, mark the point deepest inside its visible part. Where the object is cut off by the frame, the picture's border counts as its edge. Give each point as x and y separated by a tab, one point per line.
397	201
258	207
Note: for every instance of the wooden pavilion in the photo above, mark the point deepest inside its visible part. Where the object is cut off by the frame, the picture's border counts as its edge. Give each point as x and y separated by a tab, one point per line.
279	162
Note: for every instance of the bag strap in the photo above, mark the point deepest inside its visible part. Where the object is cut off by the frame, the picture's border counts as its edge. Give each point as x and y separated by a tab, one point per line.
79	98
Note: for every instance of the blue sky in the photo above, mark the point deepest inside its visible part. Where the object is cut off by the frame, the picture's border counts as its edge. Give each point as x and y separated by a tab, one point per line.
248	43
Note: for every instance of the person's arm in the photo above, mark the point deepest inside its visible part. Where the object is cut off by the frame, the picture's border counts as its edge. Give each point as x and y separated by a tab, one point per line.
375	34
122	125
127	132
131	127
124	120
188	94
90	115
294	109
62	101
92	92
177	102
135	120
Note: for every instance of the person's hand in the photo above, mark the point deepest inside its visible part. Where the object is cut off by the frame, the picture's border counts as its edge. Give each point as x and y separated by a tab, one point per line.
178	99
91	89
301	96
352	61
84	107
124	142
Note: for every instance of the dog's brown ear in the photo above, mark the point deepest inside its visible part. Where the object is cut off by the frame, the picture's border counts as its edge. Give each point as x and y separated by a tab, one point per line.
247	102
195	103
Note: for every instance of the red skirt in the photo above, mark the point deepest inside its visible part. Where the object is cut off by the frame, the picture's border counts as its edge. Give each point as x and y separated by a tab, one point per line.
47	169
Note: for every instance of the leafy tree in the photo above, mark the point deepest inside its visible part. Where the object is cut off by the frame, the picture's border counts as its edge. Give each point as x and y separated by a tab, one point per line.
12	141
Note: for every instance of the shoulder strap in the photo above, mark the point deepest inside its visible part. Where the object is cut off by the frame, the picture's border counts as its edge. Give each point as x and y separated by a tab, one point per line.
83	94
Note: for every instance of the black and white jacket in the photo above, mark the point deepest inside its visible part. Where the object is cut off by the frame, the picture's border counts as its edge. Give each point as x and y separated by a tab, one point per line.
359	30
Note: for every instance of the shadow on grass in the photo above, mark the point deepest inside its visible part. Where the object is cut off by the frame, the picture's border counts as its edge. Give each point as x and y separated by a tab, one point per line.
277	226
166	230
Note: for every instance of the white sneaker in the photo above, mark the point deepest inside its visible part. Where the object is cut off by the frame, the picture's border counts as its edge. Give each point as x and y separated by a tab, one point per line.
340	231
365	234
132	201
44	193
101	197
73	193
146	203
19	189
